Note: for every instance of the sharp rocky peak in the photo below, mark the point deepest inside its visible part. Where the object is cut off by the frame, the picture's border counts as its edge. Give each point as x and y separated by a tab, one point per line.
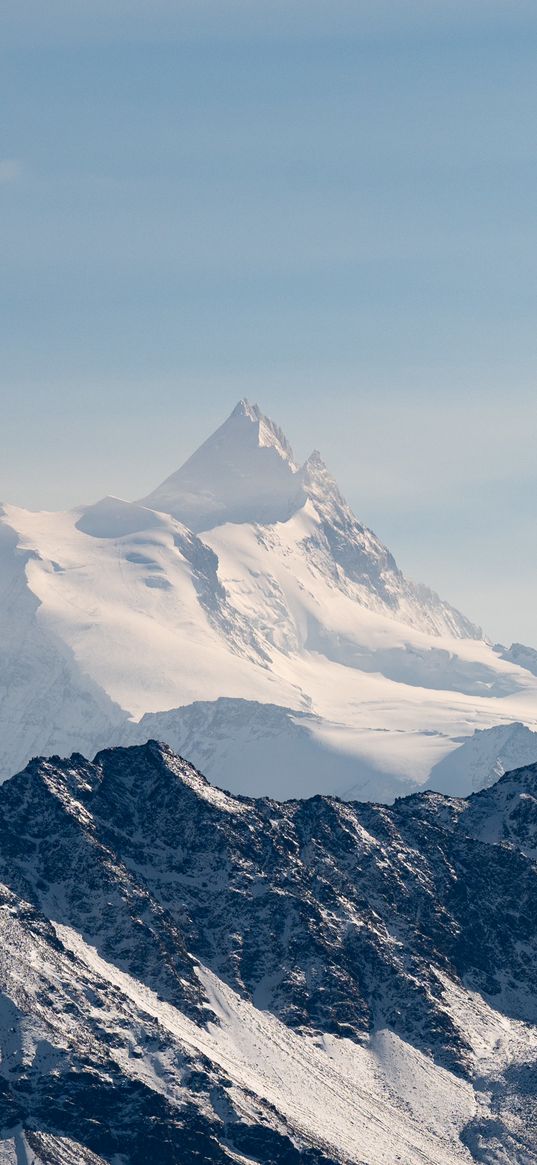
244	408
244	472
267	433
126	779
152	774
315	463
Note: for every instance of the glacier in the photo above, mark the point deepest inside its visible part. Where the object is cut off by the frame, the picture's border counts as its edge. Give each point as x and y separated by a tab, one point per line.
245	578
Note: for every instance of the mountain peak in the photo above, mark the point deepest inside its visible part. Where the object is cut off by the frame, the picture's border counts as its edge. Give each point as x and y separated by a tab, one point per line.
245	409
268	433
244	472
315	461
318	481
152	774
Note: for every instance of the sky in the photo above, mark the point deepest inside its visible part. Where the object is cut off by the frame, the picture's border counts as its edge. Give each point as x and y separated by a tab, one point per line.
329	208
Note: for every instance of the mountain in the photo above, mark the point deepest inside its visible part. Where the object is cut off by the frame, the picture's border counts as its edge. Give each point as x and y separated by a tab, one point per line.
482	758
187	976
245	472
518	653
245	577
241	745
47	702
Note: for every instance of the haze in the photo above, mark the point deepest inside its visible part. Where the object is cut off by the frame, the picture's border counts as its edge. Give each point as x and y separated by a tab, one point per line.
327	208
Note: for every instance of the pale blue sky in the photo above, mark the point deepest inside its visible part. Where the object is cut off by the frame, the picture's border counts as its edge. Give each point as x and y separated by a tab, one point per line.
328	207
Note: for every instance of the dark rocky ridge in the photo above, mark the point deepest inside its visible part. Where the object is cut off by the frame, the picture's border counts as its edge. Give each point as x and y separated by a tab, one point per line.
336	917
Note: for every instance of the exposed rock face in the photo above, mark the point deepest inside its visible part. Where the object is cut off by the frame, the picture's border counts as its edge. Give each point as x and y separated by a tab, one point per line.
191	976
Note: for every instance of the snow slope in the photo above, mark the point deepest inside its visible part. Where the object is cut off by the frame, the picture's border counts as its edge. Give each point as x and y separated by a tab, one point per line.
186	976
245	472
254	582
242	745
518	653
482	758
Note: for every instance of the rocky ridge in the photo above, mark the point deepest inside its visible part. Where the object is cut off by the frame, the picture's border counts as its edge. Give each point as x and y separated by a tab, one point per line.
181	967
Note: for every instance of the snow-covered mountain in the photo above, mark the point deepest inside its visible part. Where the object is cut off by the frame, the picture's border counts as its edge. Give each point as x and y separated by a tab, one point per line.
246	578
186	976
245	472
241	744
482	758
518	653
